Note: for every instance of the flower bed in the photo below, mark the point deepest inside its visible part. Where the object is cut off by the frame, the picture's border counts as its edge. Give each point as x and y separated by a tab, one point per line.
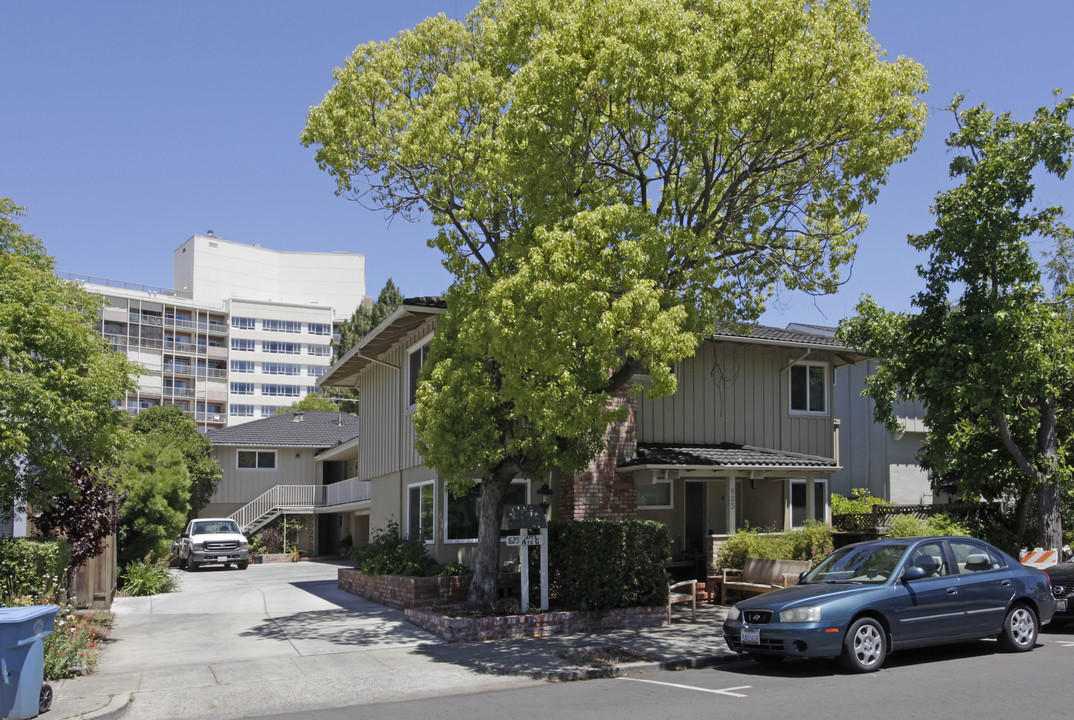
505	627
405	591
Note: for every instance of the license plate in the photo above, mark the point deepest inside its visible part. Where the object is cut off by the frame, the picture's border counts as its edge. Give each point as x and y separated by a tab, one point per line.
1061	605
222	558
751	637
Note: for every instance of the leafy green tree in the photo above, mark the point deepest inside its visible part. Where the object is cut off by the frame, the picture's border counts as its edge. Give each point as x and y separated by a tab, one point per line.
608	181
157	488
58	377
313	401
365	319
991	357
169	425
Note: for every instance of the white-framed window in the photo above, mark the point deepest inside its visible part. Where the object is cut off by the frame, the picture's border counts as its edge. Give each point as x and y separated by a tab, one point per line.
281	390
417	357
280	369
316	370
274	346
239	388
319	350
286	326
799	508
462	513
421	509
270	410
242	410
319	329
809	388
243	323
242	366
655	495
256	460
242	344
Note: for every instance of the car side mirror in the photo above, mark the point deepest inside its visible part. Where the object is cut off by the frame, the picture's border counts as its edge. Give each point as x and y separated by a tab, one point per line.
184	535
801	575
914	572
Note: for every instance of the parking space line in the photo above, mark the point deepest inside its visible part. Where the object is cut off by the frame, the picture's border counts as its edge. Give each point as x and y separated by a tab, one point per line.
730	692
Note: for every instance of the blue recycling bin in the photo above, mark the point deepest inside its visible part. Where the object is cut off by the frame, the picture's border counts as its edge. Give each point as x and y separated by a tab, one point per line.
22	659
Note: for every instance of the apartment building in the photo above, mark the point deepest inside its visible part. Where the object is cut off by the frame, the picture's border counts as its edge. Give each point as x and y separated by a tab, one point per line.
245	331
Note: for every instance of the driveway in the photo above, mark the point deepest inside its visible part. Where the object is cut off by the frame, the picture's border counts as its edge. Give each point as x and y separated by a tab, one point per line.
270	639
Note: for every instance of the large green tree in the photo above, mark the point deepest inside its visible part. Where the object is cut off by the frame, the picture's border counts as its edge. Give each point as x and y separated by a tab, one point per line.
58	377
156	489
609	180
164	425
986	350
365	319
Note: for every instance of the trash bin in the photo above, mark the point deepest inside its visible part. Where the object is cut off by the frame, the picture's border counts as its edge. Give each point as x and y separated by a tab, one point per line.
22	659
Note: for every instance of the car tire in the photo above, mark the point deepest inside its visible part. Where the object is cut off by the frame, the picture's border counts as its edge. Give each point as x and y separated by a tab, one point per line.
865	646
191	566
1020	629
243	565
182	563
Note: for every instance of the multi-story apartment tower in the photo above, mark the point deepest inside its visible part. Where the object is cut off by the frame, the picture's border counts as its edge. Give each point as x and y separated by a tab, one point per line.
245	331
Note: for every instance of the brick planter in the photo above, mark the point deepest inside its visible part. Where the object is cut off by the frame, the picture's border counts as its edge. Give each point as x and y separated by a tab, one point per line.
536	625
405	591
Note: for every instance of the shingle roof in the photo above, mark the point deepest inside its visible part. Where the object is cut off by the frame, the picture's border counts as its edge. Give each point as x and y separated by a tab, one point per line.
316	429
723	455
783	336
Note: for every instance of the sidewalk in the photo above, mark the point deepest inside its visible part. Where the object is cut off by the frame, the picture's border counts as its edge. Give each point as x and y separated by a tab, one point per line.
324	649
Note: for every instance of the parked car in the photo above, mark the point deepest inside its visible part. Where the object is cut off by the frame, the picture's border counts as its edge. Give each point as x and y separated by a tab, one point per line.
866	600
1062	577
213	541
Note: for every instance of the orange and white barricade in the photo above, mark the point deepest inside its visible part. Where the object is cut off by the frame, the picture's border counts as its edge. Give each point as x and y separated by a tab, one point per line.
1040	558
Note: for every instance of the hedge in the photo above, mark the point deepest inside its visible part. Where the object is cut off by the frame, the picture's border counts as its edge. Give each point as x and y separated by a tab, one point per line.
30	566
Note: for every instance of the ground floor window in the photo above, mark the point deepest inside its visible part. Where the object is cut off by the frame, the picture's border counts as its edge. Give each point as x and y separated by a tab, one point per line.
799	507
462	516
420	508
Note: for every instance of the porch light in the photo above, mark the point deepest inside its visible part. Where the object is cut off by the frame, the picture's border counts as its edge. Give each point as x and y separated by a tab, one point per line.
544	496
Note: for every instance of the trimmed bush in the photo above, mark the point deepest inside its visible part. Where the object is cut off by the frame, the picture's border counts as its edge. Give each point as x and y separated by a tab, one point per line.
910	526
388	553
33	567
812	543
147	577
599	565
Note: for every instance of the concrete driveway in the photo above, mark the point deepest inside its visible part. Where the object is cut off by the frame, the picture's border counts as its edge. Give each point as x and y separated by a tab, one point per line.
273	638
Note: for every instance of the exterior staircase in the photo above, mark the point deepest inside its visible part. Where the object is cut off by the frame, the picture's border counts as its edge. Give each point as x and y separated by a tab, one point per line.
280	499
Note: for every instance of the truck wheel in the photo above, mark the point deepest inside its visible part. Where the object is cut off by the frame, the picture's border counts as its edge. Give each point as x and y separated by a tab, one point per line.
243	565
191	566
182	563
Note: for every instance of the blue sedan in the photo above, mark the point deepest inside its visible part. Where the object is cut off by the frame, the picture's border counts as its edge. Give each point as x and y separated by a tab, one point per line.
866	600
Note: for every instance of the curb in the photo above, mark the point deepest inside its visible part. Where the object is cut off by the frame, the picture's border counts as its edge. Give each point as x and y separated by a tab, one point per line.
690	663
116	707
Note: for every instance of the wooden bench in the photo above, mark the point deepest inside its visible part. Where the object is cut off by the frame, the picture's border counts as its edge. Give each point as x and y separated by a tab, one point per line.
761	575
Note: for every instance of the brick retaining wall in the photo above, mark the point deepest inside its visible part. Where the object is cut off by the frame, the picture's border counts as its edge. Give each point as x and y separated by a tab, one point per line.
405	591
535	625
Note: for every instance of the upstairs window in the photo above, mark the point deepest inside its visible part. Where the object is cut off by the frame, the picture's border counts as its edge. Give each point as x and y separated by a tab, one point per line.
243	323
319	329
286	326
242	344
809	388
418	356
257	460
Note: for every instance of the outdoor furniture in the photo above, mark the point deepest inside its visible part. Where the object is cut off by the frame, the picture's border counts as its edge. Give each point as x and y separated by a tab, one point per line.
683	592
761	575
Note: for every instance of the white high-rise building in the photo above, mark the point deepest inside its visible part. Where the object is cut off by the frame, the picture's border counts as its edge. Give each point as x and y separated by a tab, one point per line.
246	330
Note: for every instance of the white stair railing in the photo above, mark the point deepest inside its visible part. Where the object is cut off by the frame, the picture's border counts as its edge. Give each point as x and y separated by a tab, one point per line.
268	505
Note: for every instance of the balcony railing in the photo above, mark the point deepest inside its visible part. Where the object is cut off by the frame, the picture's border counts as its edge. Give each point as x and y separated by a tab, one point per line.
348	491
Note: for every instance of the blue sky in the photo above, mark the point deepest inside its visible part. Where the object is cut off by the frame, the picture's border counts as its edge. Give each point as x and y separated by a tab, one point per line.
129	126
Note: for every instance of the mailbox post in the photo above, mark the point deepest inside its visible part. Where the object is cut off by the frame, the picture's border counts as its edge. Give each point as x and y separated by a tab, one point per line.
525	518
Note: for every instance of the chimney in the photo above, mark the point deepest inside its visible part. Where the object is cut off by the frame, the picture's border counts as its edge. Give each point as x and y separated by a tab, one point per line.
298	417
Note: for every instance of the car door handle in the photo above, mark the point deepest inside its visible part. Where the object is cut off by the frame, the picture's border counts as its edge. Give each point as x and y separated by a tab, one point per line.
1005	583
952	591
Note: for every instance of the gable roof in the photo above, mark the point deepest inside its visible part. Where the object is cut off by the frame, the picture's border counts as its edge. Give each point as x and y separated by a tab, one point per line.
408	316
724	455
316	429
793	337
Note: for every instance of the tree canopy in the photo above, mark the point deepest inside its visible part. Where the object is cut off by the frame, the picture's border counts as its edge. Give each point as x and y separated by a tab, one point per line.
365	319
170	425
313	401
609	180
58	377
986	350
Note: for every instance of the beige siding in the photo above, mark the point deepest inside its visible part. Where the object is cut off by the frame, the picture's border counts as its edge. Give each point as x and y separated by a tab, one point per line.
737	393
294	466
387	437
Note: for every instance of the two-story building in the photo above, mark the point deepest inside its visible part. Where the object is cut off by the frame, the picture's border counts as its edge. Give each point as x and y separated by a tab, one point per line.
748	438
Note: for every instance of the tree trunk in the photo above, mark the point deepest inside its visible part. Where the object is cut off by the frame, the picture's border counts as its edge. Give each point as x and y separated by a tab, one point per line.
487	559
1021	514
1051	524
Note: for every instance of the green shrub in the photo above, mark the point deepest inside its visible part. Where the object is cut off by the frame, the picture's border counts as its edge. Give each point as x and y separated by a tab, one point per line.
75	642
388	553
147	577
33	567
813	543
859	501
910	526
600	565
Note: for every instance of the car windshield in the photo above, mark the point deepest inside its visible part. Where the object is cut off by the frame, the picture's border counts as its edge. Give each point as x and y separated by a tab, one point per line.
215	527
868	564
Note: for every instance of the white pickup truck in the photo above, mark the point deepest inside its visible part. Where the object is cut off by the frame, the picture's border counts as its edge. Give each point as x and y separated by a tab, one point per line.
208	541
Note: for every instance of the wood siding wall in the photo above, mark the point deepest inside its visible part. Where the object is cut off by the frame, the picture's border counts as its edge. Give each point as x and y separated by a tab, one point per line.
242	486
737	393
387	436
